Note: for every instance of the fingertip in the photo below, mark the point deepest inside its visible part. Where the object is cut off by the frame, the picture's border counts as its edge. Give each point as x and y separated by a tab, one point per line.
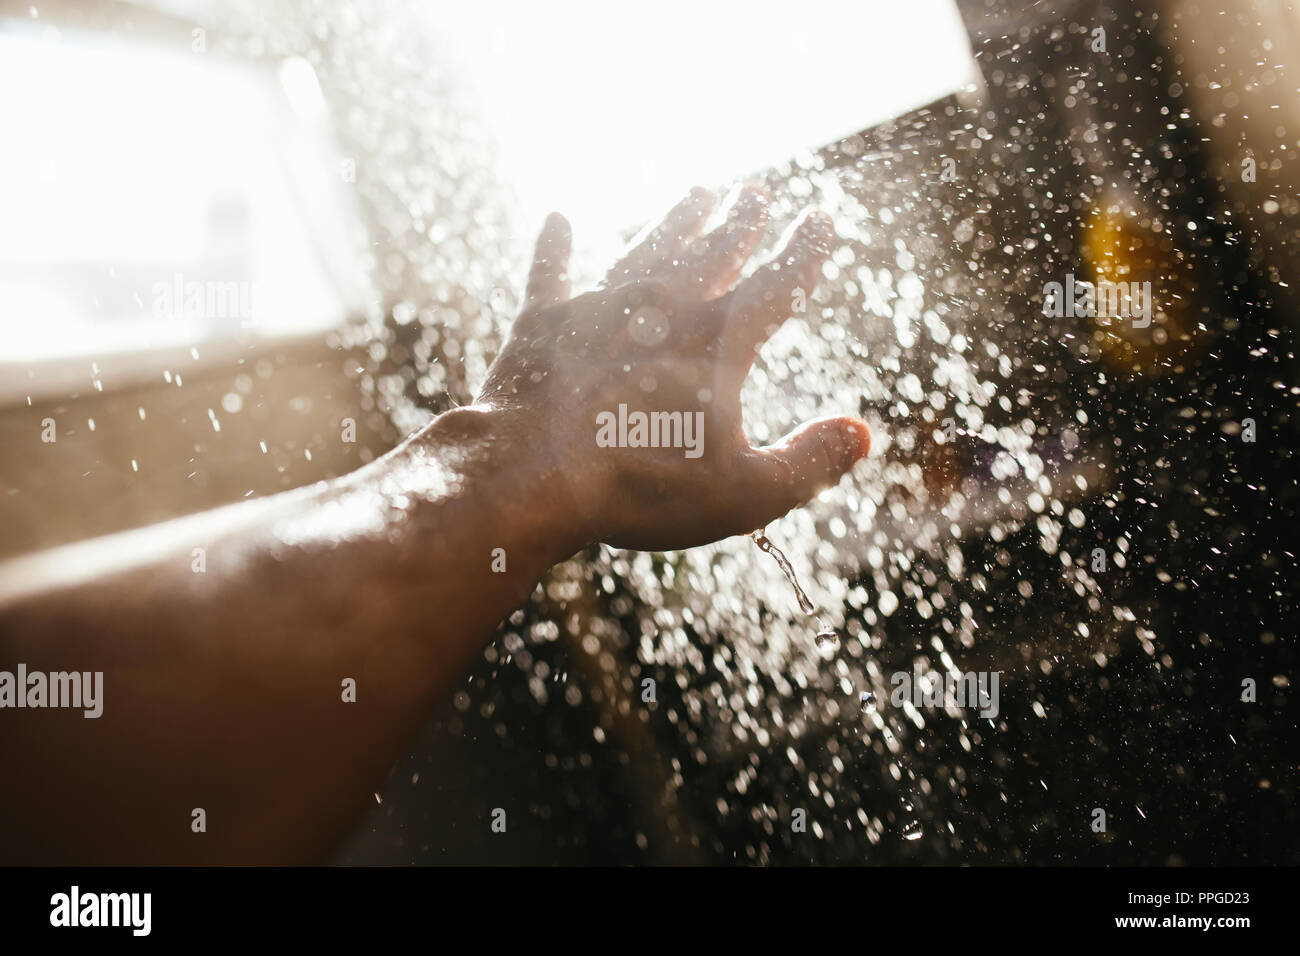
696	207
858	438
699	196
548	281
751	203
557	225
686	218
817	230
846	441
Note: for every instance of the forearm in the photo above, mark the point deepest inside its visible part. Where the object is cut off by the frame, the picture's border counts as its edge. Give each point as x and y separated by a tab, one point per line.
224	667
228	641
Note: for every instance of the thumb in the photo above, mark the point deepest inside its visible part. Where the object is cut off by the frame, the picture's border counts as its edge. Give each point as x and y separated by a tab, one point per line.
808	460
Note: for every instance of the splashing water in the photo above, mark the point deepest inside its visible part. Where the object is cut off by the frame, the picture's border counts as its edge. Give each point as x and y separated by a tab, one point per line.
881	543
968	539
765	545
826	638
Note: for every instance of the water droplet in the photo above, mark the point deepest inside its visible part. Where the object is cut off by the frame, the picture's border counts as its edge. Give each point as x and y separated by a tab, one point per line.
912	831
787	569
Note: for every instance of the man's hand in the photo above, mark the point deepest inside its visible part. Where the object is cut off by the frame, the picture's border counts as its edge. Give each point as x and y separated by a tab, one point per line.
669	332
226	689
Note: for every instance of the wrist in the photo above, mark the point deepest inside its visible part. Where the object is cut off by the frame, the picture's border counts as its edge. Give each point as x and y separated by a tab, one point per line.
499	460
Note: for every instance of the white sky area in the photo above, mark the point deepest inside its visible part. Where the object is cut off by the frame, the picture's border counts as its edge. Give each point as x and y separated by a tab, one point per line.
130	166
610	112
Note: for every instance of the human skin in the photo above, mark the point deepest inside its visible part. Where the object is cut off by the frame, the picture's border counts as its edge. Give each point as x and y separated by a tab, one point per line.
222	689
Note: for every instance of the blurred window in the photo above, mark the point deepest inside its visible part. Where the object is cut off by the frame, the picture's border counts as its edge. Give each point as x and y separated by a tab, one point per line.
162	200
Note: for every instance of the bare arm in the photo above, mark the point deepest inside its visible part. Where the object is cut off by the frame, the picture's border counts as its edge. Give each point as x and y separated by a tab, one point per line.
223	687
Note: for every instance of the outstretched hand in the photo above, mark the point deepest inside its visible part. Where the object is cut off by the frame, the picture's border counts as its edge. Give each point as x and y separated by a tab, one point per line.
632	391
613	416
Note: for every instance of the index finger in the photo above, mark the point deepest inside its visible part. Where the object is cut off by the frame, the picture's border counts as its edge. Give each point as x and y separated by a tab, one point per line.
761	303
